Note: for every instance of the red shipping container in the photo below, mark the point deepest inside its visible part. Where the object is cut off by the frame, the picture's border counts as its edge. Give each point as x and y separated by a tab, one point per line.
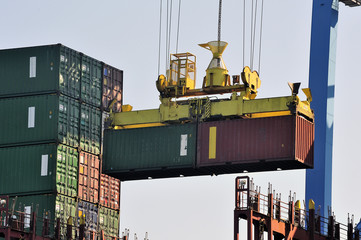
88	186
109	192
259	144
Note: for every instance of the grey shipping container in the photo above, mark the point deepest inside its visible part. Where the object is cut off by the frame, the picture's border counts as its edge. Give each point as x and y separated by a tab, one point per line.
49	118
39	169
150	152
90	213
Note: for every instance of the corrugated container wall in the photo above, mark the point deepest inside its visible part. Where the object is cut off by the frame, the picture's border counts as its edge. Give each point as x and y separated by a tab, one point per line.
27	71
255	144
89	176
39	169
91	81
59	69
50	118
109	192
112	88
109	221
45	118
130	152
90	212
52	205
90	129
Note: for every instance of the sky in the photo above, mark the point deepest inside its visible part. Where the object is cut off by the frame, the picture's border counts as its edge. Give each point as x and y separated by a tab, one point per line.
124	34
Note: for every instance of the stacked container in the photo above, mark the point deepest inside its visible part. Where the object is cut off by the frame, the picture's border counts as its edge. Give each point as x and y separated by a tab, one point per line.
54	101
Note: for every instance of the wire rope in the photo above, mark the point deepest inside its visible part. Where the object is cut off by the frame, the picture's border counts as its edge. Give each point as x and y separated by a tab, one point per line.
244	29
170	29
179	12
260	41
166	38
160	34
250	54
254	31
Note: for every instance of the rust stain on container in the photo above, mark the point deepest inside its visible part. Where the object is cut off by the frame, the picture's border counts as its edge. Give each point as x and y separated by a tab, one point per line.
261	144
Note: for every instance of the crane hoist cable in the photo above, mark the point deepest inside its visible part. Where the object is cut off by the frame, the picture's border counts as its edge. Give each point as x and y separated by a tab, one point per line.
260	41
250	55
244	29
160	34
254	32
169	30
179	12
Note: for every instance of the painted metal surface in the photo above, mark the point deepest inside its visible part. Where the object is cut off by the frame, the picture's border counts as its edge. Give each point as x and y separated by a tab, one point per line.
59	69
259	144
112	88
109	221
52	205
91	80
109	192
45	118
322	82
90	129
53	68
89	176
90	212
35	169
147	149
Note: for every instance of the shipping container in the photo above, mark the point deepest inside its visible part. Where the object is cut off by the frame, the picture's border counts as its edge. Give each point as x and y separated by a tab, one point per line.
51	206
90	129
45	118
109	192
32	70
105	125
91	81
49	118
112	88
109	221
260	144
38	169
90	213
149	152
59	69
88	188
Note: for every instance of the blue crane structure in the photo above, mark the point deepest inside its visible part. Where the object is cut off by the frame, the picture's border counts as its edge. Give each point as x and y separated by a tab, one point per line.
322	82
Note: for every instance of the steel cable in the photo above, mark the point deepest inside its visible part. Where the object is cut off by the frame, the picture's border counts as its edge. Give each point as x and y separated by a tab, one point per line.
260	41
179	12
160	34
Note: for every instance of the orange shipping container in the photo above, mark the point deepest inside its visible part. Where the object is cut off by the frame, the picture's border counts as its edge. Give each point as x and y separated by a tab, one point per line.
109	192
88	188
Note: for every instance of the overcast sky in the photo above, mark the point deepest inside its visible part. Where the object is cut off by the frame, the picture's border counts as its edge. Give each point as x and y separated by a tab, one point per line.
125	35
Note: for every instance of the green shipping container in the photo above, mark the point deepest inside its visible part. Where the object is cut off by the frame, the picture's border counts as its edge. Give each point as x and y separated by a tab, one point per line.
44	118
49	118
109	221
53	68
90	129
135	153
50	205
50	69
37	169
91	81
